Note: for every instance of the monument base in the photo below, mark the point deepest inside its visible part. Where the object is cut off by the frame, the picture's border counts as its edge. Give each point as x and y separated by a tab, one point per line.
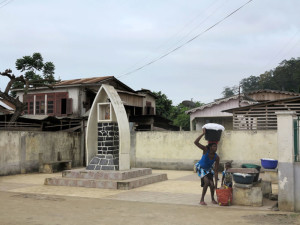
107	179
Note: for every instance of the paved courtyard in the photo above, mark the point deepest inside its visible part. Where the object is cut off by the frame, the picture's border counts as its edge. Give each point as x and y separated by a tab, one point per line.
26	200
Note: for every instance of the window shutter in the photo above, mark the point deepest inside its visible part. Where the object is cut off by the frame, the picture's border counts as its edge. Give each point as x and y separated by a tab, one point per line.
69	106
152	110
58	107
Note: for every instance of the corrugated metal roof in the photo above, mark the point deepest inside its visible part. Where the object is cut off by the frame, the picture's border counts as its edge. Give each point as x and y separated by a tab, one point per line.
43	117
274	91
219	102
90	80
4	111
36	117
7	104
262	104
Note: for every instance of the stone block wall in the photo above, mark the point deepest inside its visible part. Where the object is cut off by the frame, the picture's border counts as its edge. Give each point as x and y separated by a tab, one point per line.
107	157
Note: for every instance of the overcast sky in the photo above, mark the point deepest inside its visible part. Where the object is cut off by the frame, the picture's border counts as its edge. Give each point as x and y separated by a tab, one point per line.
89	38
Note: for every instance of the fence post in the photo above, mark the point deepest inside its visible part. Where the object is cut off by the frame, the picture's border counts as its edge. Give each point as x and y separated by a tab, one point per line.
285	139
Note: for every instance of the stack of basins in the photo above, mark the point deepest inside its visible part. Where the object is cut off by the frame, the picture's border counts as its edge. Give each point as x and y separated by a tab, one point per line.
245	178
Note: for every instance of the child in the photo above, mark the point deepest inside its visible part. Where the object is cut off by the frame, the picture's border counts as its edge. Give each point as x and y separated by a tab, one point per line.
227	177
205	168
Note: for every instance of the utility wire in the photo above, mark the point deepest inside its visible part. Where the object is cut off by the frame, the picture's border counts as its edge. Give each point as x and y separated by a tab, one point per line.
187	42
280	52
160	47
3	2
7	2
186	36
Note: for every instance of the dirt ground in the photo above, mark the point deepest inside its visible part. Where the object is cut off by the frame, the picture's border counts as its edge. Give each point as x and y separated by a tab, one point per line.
38	209
25	200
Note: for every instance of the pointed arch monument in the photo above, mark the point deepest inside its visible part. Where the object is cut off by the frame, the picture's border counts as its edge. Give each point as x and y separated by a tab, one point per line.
108	135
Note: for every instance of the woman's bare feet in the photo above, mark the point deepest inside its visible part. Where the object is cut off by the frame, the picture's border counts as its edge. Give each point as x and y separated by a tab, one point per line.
202	203
214	201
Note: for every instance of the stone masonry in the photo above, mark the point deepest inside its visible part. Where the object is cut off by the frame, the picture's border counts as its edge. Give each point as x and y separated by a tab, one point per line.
107	157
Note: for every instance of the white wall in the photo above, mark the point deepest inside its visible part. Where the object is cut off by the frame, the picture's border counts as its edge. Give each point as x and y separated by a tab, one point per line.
216	109
176	150
19	150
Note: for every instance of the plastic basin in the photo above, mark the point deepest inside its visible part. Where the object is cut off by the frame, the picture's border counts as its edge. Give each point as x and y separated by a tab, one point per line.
255	167
213	135
269	163
243	178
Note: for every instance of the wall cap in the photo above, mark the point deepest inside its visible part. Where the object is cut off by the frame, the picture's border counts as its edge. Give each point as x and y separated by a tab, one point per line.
283	113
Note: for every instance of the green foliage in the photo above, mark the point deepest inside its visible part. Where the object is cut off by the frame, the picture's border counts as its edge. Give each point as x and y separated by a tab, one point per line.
163	105
230	91
285	77
250	84
176	114
35	71
180	118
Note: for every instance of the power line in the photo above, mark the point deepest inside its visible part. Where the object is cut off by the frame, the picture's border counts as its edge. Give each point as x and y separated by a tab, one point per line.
280	52
187	42
7	2
160	47
197	26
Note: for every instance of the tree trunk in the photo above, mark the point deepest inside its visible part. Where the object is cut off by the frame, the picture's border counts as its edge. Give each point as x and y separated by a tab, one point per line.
18	105
16	115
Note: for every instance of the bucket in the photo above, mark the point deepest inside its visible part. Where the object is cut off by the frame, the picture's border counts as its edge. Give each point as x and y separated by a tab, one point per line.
213	135
224	196
213	131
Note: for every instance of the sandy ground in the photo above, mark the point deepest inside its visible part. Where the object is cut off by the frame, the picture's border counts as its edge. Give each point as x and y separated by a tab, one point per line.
25	200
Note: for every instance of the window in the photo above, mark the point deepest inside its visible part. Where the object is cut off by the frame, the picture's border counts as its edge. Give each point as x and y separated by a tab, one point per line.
28	99
42	108
50	107
30	107
40	104
37	107
50	103
26	108
56	103
149	110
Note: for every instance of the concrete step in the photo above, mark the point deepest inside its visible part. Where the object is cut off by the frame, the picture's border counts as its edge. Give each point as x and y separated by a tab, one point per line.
107	174
107	184
79	182
141	181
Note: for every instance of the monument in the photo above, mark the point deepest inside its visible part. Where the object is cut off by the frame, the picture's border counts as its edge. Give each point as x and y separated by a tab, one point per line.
108	135
107	149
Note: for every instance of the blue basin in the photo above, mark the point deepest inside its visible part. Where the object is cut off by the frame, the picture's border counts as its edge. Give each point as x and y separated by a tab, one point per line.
269	163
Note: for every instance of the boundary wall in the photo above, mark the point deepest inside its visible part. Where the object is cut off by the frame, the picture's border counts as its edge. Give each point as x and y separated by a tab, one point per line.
176	149
20	150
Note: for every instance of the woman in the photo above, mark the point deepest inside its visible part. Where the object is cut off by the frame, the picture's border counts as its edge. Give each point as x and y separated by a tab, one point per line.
205	167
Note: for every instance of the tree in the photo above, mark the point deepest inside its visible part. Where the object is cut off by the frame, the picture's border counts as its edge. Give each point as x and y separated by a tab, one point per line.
285	77
230	91
177	113
180	118
250	84
36	74
163	105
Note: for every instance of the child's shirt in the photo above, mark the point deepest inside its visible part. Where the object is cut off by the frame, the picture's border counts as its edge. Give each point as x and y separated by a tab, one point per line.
227	178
